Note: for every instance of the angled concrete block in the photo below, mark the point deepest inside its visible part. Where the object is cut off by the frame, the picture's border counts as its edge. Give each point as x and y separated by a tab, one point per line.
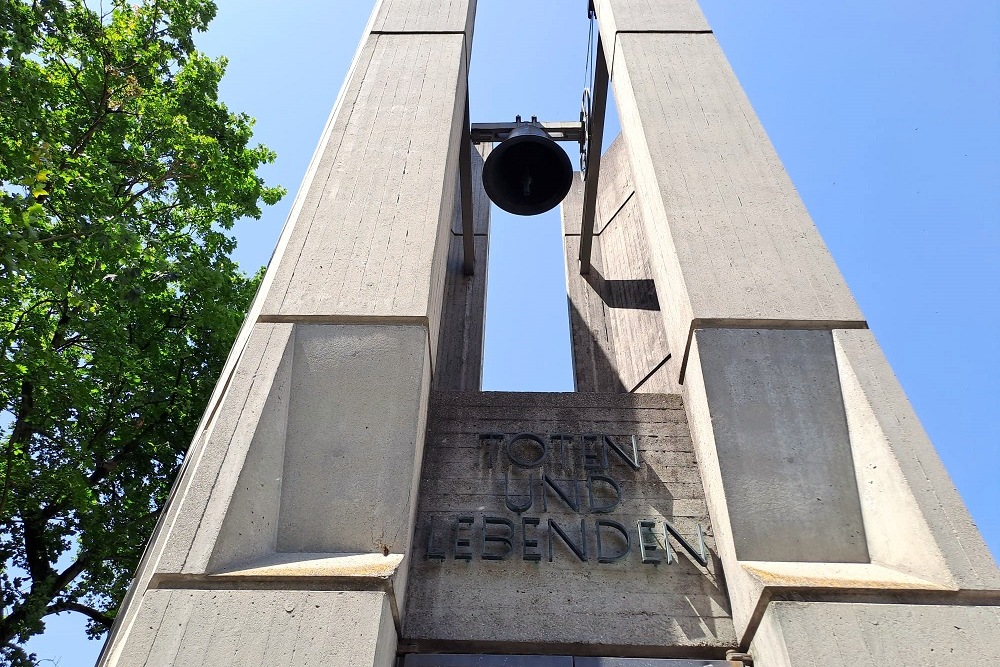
919	537
618	340
231	628
247	430
249	528
919	522
793	634
324	461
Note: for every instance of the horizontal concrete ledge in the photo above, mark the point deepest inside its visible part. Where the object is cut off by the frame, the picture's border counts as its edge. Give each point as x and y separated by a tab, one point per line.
837	576
371	565
315	574
635	31
507	660
761	323
740	323
473	660
568	399
977	598
404	320
691	651
417	32
203	582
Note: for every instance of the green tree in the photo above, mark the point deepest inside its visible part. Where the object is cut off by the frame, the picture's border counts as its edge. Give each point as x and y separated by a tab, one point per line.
120	176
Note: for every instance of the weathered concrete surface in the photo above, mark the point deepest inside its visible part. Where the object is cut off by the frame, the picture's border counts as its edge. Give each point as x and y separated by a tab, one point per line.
793	634
648	15
280	472
353	445
459	362
371	238
431	16
625	607
783	448
249	527
248	428
731	238
458	365
619	344
232	628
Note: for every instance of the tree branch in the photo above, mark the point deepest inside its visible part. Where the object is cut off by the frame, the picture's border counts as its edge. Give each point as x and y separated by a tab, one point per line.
102	113
75	74
91	613
20	435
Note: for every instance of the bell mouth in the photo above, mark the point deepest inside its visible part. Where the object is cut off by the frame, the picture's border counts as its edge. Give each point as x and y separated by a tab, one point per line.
527	174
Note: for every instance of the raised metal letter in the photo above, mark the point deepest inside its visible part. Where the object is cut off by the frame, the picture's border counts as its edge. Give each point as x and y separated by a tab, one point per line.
508	539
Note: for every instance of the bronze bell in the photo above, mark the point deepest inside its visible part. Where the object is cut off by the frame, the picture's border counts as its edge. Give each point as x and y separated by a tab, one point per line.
527	173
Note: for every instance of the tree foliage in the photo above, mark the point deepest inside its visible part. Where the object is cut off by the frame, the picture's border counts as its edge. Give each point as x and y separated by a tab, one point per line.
120	176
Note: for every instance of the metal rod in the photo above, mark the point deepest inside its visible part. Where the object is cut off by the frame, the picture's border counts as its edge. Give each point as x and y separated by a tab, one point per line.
465	170
596	139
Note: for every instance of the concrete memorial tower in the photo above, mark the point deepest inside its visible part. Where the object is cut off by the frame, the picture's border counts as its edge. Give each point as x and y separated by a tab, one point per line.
737	477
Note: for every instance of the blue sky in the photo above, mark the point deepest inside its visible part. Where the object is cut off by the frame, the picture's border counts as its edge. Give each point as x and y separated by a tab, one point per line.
886	115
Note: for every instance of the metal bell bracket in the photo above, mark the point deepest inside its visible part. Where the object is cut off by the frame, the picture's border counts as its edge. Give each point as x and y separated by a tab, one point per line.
483	133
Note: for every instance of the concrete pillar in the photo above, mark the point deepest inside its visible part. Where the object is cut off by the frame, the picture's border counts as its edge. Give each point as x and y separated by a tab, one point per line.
286	537
822	486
